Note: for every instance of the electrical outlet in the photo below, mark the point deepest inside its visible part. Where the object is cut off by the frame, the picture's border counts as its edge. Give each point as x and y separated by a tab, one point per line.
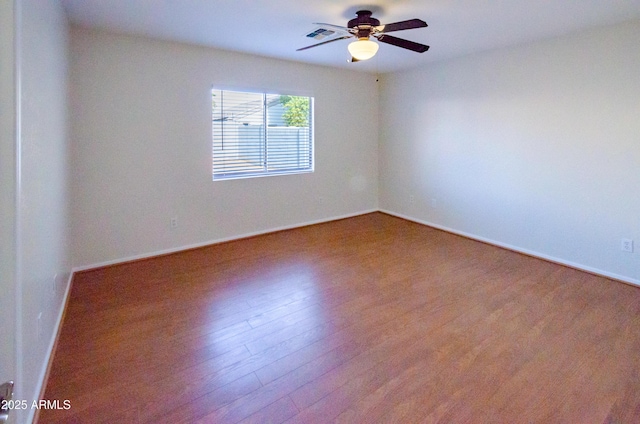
174	222
627	245
412	199
54	283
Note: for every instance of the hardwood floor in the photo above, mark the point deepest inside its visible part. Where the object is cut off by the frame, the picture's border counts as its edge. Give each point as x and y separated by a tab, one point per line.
367	319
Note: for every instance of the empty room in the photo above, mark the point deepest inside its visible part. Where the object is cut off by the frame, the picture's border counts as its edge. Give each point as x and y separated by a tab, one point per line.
225	212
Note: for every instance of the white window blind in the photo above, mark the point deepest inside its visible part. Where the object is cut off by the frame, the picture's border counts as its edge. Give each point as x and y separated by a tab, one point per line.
258	134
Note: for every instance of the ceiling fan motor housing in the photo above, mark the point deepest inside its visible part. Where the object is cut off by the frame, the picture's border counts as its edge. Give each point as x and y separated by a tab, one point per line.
363	23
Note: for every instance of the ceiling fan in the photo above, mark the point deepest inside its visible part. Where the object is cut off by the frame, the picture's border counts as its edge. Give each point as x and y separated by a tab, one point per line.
364	26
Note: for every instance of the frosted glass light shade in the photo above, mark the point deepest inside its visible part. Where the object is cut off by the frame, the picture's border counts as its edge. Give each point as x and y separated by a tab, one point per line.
363	49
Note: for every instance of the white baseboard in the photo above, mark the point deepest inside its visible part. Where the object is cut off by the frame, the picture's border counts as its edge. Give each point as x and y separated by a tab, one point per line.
40	386
539	255
528	252
216	241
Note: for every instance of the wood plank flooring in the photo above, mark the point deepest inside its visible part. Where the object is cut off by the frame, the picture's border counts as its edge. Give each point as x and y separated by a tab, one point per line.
367	319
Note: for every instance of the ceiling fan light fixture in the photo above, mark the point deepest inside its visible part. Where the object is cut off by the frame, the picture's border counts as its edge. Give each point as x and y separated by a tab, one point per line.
363	49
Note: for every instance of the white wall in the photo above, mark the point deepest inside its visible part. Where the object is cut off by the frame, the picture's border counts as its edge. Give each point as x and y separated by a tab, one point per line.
141	131
8	270
535	147
43	195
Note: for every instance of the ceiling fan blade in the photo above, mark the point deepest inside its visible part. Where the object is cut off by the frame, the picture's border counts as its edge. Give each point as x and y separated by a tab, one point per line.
405	44
324	42
402	25
332	26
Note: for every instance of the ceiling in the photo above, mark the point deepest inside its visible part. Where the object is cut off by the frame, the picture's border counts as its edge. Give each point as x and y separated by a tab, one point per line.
276	28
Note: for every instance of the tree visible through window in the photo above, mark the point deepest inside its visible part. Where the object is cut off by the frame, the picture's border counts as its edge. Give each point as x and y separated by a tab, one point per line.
259	134
297	110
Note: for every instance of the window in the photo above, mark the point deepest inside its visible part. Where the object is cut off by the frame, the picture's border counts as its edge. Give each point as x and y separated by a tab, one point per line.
259	134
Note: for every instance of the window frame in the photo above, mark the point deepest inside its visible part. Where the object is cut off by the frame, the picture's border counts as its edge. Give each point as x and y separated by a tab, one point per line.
244	174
